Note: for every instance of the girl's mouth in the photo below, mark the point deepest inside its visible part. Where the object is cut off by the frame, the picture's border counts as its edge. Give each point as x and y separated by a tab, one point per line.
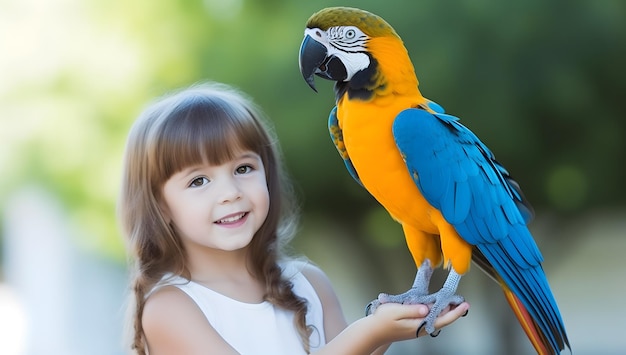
232	219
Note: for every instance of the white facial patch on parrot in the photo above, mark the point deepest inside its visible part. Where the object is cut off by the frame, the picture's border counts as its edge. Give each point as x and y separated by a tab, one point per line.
346	43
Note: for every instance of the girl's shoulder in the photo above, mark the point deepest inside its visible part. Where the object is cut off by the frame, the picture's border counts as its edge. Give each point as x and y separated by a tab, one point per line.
165	299
170	318
164	302
314	275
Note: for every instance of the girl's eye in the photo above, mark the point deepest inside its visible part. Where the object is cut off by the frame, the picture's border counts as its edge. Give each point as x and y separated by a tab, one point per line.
199	181
244	169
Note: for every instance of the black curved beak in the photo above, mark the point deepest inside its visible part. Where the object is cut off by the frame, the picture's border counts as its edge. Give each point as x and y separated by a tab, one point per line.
314	60
312	55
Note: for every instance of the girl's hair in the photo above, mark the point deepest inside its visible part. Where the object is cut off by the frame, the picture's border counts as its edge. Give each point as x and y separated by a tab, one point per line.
206	123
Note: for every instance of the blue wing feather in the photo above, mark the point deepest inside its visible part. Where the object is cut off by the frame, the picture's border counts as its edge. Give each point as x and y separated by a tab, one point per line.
337	136
459	175
435	106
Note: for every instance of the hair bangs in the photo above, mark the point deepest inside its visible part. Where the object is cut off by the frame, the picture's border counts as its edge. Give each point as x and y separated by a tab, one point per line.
203	130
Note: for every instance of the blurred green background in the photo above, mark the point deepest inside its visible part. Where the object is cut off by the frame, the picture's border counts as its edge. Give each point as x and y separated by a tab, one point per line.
541	82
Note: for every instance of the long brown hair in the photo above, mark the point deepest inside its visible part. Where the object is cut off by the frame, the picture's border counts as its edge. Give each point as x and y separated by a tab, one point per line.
203	123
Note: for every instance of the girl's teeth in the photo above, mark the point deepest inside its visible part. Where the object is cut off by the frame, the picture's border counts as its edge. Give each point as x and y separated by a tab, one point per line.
231	219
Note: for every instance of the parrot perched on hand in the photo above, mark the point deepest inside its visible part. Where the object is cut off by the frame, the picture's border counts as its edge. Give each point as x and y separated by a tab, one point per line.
455	202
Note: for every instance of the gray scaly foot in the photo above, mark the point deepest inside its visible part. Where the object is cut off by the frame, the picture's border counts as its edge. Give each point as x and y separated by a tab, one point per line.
418	294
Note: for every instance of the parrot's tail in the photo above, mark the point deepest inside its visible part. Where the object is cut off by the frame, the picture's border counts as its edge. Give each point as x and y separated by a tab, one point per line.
529	296
536	337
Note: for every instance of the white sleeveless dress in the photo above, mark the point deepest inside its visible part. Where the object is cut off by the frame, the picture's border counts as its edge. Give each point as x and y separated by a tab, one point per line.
262	328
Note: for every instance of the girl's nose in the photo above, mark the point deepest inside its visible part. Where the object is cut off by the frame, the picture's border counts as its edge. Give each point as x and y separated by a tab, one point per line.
229	191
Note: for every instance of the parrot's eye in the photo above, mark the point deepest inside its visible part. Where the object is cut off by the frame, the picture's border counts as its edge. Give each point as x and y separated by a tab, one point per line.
350	34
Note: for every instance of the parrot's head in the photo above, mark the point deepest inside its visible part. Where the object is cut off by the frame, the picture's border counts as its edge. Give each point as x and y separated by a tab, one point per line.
337	45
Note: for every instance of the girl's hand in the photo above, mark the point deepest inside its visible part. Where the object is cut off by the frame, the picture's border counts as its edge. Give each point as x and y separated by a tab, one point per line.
396	322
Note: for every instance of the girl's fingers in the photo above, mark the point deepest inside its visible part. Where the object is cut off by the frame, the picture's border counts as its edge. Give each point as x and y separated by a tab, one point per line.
402	311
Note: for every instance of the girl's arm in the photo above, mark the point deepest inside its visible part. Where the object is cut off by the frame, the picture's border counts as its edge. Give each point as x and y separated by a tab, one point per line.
173	324
372	334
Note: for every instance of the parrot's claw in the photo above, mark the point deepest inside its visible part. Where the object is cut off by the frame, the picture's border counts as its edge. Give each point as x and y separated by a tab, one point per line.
433	334
371	307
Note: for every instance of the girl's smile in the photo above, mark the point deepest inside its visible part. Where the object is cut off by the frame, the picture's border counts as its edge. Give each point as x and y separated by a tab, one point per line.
233	220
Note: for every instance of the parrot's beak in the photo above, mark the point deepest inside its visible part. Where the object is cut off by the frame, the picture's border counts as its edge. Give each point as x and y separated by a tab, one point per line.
312	55
314	60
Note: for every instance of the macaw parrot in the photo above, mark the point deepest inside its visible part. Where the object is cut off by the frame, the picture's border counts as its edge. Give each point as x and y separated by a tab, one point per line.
455	202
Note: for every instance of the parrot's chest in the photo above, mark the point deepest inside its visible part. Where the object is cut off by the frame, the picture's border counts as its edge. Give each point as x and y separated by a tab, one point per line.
369	141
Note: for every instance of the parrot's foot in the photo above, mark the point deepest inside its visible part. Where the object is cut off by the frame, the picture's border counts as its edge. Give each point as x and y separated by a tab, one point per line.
418	294
437	302
412	296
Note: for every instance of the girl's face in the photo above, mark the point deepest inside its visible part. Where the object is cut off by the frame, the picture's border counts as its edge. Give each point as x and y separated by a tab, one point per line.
218	206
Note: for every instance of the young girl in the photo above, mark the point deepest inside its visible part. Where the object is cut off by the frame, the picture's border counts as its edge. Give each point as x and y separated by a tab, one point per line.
207	211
